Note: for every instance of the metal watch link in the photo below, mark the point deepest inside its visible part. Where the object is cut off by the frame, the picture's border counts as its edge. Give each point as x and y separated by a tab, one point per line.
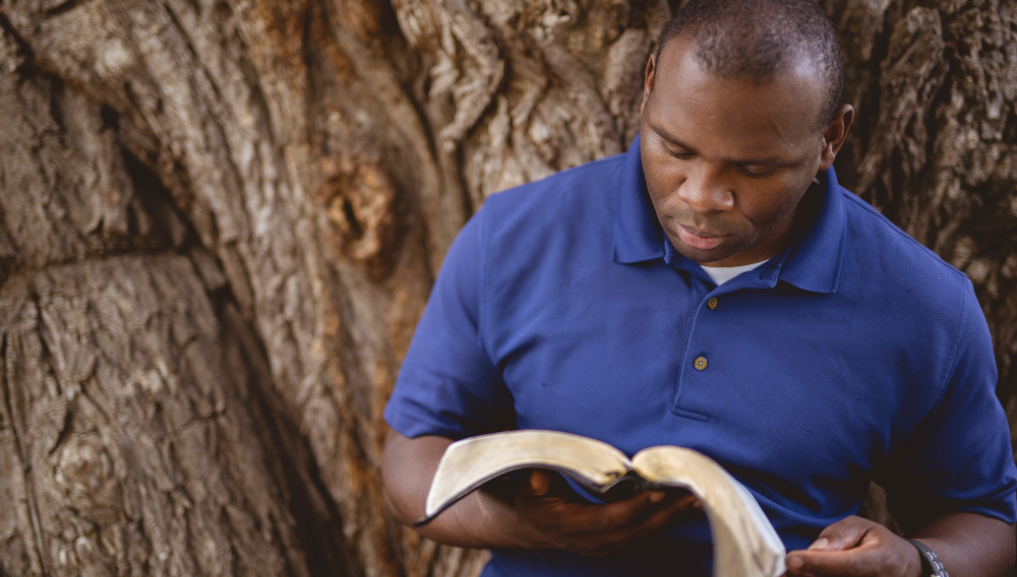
931	565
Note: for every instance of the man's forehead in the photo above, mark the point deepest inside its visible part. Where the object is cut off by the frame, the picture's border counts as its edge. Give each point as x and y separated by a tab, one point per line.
786	105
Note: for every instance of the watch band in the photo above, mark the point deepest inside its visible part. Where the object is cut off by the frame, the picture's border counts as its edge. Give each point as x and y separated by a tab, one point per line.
931	565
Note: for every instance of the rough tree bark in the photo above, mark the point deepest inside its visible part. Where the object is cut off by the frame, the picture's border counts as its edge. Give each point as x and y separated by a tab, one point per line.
220	223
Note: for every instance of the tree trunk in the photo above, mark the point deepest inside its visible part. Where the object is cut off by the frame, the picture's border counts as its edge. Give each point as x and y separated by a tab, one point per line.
221	221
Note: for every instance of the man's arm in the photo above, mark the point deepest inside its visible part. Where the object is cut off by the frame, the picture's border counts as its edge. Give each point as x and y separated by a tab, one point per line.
536	516
968	544
961	454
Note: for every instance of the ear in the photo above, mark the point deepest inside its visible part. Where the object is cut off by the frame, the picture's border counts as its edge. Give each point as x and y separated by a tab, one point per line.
651	65
835	135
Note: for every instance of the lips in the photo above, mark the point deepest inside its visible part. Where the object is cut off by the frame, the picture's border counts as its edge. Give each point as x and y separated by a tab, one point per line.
698	239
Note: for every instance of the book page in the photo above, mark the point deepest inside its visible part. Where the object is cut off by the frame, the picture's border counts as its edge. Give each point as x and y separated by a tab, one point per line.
745	544
470	463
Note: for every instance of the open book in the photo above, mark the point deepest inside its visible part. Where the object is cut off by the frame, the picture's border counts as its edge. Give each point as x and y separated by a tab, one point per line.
744	542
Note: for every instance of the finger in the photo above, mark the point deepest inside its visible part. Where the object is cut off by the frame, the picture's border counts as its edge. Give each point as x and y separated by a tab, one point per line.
655	520
669	515
540	482
595	521
842	535
625	514
662	519
688	501
852	563
536	484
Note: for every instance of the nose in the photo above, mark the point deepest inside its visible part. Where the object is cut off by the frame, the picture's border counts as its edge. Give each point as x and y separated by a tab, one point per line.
704	190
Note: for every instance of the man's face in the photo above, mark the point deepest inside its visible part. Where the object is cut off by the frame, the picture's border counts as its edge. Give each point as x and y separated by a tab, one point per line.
727	161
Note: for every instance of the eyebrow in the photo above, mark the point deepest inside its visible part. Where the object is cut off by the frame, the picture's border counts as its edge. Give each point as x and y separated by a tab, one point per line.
776	162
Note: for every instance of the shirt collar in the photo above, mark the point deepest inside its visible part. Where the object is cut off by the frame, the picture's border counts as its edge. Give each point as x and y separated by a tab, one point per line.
637	233
812	262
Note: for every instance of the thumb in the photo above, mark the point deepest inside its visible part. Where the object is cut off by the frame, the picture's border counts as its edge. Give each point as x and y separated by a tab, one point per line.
842	535
537	485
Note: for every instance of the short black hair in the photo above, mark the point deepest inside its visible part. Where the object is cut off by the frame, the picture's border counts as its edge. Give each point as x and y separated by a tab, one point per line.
757	39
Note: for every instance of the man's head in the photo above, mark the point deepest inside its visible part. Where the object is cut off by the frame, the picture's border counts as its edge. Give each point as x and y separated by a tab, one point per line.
740	110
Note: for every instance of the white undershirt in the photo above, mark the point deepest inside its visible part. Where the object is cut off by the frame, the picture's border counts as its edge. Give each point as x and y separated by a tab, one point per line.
722	274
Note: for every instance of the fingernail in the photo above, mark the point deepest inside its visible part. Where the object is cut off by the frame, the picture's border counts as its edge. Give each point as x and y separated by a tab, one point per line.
819	544
656	497
795	563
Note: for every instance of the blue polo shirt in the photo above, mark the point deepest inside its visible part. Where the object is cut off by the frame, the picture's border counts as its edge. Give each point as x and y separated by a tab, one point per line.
856	354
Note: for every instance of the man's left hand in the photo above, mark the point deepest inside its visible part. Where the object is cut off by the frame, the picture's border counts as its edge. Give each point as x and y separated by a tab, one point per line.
856	547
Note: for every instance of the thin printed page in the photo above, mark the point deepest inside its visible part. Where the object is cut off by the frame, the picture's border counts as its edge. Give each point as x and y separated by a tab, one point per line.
745	544
470	463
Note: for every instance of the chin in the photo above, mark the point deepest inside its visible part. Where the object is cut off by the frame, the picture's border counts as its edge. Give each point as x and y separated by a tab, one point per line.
728	248
704	256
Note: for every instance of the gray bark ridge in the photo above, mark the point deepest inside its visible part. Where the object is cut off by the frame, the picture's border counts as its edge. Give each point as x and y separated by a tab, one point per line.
125	436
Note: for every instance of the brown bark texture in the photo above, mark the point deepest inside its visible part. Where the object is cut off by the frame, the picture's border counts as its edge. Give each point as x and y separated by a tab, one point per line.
220	221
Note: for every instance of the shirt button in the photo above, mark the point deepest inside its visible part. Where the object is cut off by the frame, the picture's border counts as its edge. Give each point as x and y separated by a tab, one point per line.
700	363
712	303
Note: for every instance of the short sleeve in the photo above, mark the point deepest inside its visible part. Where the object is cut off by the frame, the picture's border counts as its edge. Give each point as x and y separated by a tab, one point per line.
959	459
447	385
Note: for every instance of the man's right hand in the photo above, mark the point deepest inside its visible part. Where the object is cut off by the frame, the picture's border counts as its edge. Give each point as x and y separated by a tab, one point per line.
562	521
541	512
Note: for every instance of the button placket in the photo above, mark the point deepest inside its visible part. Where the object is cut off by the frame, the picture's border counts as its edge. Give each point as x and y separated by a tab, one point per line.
697	355
701	363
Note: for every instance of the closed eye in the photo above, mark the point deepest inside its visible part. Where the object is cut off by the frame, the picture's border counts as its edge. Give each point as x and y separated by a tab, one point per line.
756	171
680	154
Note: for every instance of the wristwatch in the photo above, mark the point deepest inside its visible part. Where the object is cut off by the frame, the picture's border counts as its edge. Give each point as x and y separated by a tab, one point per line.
931	566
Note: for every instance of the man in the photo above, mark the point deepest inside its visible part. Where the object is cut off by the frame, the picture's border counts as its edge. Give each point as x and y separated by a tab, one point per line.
714	288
